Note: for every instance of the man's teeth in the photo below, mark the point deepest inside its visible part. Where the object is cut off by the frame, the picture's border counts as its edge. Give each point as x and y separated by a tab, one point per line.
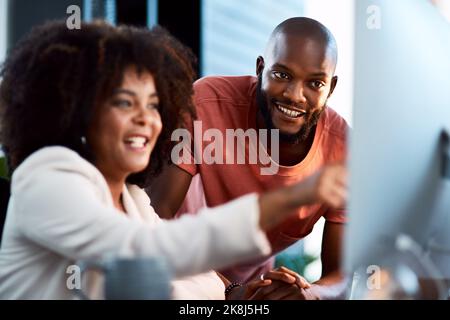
290	113
137	142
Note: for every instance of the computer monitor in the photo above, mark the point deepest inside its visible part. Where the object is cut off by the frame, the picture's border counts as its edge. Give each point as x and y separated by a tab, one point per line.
401	107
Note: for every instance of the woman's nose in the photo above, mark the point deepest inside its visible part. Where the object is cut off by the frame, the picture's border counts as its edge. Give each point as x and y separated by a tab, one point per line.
146	116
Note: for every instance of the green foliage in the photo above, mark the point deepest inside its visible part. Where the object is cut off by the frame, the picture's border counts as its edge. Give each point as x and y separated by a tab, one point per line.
3	168
297	263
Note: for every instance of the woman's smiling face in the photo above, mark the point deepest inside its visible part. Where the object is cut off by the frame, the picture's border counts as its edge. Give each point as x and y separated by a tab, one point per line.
126	126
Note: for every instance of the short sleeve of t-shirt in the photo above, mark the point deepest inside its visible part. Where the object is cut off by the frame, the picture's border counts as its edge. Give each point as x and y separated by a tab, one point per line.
183	153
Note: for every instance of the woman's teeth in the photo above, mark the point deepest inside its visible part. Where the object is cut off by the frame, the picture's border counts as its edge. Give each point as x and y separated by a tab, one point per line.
288	112
136	142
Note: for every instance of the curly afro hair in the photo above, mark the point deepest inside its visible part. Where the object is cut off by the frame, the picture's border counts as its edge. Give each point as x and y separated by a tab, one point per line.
54	78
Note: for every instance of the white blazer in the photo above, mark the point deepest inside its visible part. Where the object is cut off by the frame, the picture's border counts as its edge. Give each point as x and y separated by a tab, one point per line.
61	211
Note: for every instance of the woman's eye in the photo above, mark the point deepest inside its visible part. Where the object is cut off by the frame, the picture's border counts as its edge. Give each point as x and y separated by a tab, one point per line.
281	75
153	106
122	103
317	84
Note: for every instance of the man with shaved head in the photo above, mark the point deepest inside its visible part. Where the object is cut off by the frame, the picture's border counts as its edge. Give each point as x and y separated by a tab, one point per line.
299	49
295	78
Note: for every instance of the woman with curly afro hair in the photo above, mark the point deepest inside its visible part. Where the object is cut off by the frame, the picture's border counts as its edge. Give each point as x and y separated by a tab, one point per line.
86	119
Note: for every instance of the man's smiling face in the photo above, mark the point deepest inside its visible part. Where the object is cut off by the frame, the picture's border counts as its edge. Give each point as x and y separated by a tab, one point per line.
294	83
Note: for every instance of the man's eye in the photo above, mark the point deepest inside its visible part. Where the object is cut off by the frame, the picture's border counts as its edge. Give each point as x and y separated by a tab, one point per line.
280	75
122	103
317	84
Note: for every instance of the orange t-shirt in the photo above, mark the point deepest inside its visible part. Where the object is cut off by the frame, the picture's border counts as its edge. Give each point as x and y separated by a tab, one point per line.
230	103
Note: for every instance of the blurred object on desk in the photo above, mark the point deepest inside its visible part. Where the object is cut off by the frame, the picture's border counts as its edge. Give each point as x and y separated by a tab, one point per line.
407	273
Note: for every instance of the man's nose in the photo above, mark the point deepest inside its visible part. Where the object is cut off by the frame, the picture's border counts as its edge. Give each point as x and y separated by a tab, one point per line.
295	93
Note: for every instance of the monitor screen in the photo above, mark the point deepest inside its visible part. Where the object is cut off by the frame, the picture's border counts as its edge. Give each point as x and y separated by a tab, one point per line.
401	107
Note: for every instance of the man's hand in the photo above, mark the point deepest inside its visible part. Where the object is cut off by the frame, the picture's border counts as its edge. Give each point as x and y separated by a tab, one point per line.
286	284
269	282
334	288
283	291
287	276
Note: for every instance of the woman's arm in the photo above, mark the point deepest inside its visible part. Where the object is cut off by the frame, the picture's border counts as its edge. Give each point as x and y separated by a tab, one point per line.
61	209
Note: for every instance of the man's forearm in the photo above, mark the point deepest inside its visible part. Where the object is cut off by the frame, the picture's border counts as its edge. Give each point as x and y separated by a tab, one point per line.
330	287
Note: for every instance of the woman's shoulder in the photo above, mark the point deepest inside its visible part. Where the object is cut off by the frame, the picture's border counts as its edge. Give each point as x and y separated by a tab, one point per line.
50	156
49	161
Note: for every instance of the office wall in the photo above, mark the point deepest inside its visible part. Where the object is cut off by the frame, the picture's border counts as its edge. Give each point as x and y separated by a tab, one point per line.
183	21
24	14
444	7
3	24
235	32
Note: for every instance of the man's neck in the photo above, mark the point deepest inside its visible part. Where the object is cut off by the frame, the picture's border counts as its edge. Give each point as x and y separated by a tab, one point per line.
290	154
293	154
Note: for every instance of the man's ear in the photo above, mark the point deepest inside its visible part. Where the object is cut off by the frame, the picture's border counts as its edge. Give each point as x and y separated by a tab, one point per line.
333	85
259	65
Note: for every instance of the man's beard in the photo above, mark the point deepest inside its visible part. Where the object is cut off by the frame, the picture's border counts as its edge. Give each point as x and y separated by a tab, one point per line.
311	118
